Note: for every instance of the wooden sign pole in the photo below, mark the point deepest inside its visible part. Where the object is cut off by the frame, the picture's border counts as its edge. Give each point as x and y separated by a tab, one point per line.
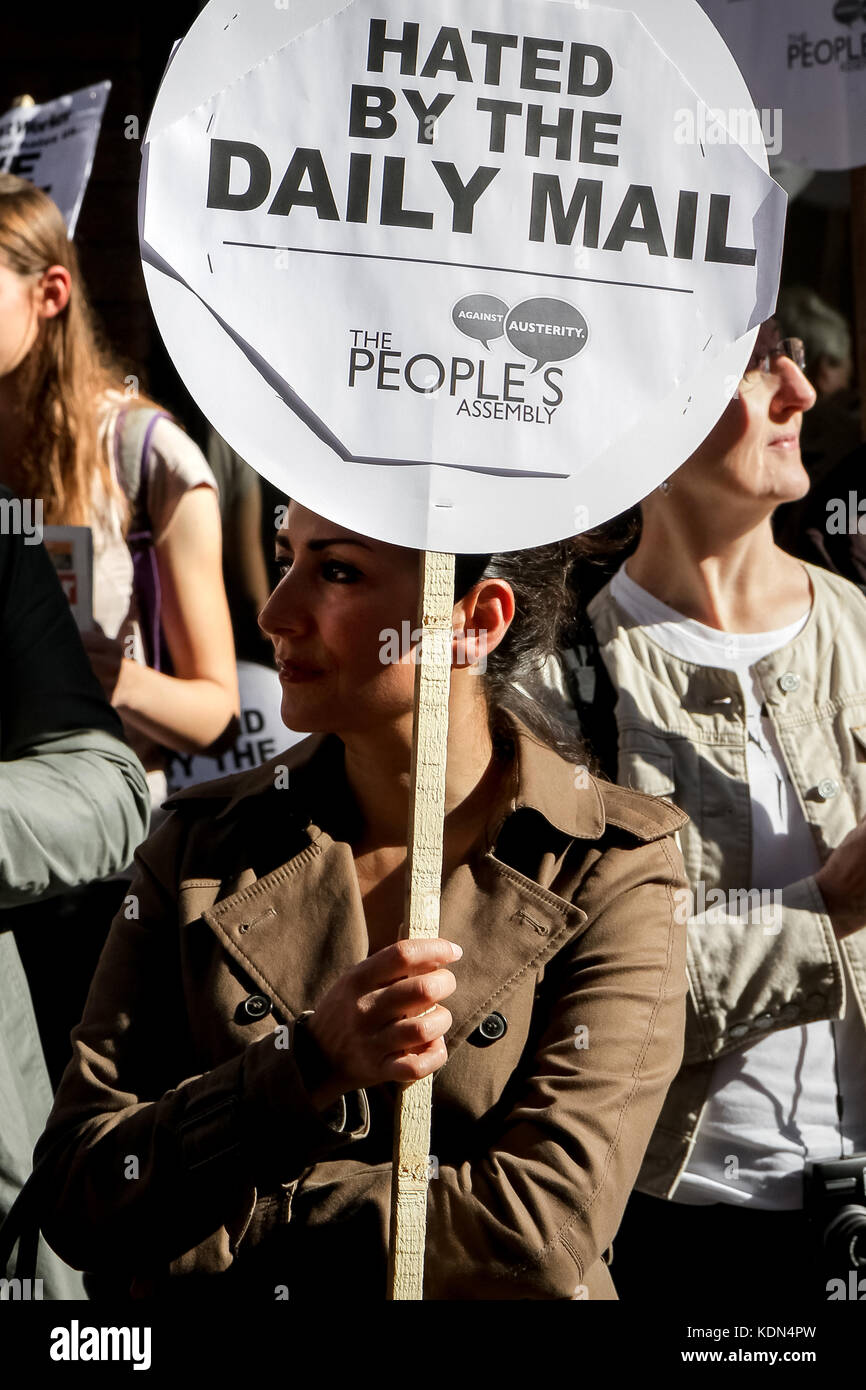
424	878
858	239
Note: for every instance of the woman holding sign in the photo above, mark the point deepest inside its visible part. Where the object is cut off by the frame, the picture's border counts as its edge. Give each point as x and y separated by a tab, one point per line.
227	1121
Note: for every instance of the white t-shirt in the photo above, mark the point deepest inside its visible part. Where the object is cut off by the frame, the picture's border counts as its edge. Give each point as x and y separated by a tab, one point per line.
175	465
772	1104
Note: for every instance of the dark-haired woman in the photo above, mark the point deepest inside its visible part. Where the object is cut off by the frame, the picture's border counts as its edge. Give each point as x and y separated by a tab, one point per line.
226	1122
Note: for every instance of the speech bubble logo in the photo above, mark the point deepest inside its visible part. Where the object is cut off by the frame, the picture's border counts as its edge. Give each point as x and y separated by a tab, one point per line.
480	316
550	330
849	11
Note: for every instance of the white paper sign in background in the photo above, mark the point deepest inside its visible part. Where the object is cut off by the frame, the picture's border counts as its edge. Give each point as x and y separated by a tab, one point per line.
467	248
262	733
53	145
807	59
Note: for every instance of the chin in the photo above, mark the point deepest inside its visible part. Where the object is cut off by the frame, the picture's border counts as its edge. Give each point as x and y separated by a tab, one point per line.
306	723
304	716
783	479
794	485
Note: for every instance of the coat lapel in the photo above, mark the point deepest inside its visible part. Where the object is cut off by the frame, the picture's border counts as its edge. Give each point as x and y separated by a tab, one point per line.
508	927
300	927
297	928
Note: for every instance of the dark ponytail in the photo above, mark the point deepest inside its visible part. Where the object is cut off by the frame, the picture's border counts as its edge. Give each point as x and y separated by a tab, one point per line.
545	606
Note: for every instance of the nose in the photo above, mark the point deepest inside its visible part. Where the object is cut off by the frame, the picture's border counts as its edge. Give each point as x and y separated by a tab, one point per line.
284	610
794	391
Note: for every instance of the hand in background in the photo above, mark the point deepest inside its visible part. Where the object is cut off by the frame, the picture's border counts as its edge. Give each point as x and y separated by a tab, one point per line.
108	662
842	881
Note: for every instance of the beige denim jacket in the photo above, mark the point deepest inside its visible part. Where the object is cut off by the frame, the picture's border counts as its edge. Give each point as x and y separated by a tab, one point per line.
682	735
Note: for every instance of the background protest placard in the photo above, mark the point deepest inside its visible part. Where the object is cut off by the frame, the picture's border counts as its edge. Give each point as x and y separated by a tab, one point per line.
262	733
805	59
476	249
53	145
71	551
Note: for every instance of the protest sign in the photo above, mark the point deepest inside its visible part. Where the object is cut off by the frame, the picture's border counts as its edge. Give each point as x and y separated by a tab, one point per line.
805	63
71	551
53	145
262	733
453	265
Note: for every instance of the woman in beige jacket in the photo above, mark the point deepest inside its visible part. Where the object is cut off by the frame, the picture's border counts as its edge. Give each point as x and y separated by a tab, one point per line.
735	687
226	1122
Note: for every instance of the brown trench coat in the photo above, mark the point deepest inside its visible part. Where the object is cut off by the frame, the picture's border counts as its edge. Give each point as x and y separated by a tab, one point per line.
182	1143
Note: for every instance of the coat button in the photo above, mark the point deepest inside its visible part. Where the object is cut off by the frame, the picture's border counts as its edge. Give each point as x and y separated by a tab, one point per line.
828	788
789	1012
493	1027
789	682
764	1021
739	1030
256	1006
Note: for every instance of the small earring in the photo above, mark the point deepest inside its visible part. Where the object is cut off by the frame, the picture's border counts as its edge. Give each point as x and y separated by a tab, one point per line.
666	486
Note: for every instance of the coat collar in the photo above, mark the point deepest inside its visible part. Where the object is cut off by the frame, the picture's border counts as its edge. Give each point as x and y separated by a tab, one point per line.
563	793
296	929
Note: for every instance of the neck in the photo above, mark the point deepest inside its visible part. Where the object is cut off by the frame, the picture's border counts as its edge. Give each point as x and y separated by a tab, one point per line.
378	770
724	571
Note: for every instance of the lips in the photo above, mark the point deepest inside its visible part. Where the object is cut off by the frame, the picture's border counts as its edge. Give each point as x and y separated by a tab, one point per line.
785	441
296	671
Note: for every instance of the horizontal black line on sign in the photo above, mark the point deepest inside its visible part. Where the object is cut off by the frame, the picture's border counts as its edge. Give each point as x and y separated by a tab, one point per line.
460	265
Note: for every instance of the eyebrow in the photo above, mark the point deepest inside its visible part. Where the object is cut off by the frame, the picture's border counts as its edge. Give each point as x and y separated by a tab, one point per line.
282	539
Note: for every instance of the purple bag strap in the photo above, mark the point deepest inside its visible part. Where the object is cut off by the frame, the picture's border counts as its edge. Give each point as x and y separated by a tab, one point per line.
145	571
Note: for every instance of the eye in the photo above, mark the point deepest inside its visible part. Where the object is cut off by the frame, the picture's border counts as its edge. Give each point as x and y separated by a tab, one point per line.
339	572
284	562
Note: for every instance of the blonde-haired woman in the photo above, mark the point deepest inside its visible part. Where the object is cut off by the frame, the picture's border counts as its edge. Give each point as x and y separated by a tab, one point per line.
62	403
66	424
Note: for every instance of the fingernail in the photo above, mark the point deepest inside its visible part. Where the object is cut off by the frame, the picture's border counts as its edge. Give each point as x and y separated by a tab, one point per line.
457	950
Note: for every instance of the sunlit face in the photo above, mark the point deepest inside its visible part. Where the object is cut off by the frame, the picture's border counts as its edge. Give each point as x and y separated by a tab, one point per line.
19	320
753	453
330	617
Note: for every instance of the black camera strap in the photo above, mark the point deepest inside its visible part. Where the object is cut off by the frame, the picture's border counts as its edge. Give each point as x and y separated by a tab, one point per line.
840	1103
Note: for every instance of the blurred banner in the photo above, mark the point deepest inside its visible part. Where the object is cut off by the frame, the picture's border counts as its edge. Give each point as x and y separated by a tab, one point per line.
53	145
262	733
805	63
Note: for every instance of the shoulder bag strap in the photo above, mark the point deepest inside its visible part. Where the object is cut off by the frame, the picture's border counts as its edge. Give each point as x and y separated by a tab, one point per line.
132	450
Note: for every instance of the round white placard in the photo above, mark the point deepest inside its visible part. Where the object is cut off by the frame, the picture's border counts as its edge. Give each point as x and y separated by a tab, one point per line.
466	278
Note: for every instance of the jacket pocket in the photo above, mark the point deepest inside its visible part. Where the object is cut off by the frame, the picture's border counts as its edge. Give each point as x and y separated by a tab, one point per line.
654	767
859	736
648	770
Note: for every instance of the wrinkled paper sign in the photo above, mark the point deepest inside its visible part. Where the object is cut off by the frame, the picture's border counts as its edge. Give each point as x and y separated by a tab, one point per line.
468	239
53	145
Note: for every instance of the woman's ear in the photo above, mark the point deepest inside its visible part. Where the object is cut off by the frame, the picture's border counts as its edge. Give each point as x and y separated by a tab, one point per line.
53	292
481	620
